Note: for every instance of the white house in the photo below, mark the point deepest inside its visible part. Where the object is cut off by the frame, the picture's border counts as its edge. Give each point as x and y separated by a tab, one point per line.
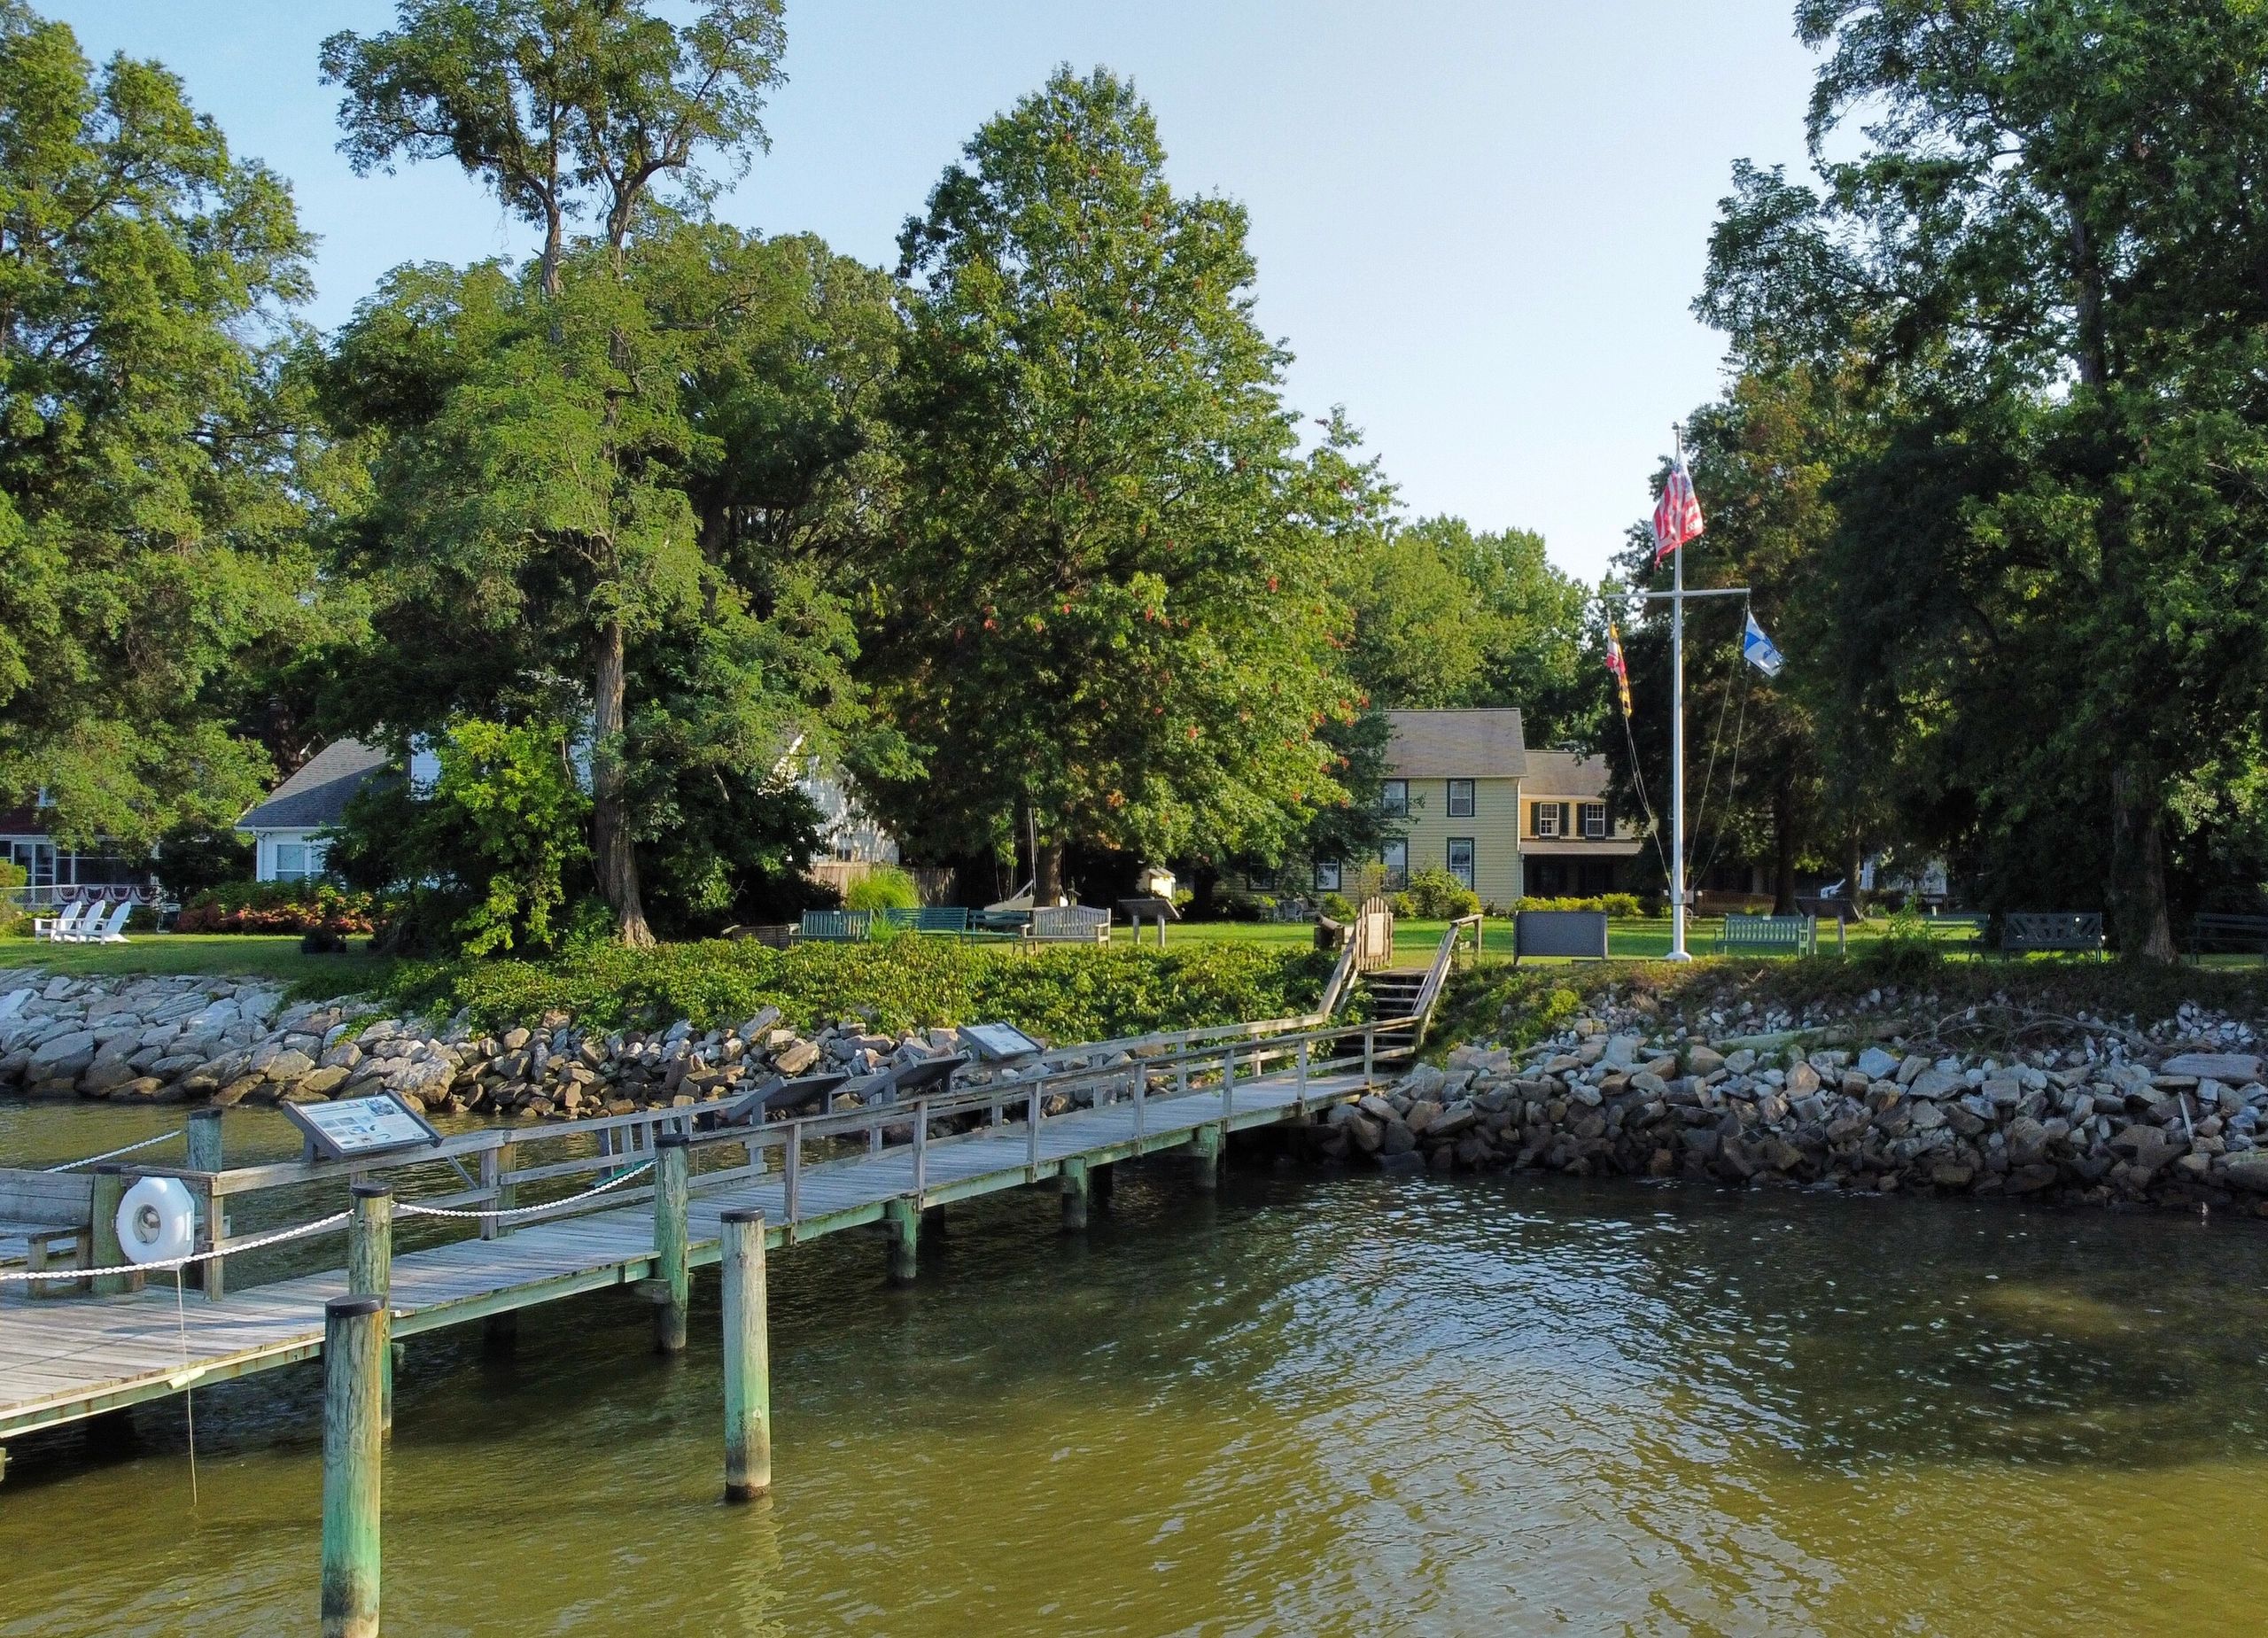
286	828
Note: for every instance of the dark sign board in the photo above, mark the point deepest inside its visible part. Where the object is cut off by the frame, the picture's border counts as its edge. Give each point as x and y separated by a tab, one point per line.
775	1093
931	1075
355	1128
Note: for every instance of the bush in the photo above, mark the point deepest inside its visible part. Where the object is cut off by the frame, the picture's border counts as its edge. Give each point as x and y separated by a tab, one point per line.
1905	953
14	923
885	887
1063	993
280	907
1436	896
1338	907
1618	904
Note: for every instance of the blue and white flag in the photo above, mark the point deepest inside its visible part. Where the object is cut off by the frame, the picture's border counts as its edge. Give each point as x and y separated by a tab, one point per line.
1757	648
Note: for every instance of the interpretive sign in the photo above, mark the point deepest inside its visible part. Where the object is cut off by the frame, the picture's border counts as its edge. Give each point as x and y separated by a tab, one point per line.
931	1075
777	1093
355	1128
999	1042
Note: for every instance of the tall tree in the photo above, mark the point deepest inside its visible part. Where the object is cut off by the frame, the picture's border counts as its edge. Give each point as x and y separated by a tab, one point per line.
1112	611
566	108
2048	243
151	500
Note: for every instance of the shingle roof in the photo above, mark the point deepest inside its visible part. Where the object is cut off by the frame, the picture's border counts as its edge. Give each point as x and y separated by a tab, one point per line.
1567	773
318	793
1456	745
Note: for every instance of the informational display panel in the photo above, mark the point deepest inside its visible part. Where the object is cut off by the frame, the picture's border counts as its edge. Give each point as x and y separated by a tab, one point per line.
355	1128
930	1076
999	1042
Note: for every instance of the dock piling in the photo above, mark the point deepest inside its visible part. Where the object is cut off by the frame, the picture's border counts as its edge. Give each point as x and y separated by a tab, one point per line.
111	1184
904	1218
747	1360
673	1268
355	1342
370	1271
1074	1180
1205	1145
202	1141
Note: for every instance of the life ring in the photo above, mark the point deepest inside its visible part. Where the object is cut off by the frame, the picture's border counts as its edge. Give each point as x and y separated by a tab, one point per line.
157	1221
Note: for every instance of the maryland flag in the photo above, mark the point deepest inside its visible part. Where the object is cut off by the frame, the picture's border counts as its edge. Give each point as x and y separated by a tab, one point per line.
1618	666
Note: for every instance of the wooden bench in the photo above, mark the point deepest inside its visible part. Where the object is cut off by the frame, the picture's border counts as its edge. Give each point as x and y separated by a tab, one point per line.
2244	934
930	919
2052	932
1068	924
1795	936
45	1222
840	927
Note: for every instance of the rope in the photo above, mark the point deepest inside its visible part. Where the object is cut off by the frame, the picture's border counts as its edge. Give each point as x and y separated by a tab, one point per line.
14	1276
410	1209
1717	741
1638	779
1732	776
112	1153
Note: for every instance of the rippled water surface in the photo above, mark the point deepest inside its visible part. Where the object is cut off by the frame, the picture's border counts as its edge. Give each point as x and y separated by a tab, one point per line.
1334	1404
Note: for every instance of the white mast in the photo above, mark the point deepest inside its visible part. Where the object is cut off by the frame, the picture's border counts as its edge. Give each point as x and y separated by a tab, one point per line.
1677	949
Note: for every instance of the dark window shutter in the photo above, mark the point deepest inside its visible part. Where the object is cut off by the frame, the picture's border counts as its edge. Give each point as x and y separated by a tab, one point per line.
1563	820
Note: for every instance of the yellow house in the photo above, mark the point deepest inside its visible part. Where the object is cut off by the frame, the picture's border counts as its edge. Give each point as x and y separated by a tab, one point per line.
1571	844
1453	777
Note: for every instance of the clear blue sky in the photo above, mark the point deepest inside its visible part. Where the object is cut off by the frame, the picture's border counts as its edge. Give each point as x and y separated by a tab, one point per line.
1479	222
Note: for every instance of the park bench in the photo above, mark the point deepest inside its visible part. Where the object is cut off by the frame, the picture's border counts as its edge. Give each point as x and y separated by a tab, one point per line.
1797	935
2051	932
1580	934
44	1221
2245	935
930	919
841	927
1068	924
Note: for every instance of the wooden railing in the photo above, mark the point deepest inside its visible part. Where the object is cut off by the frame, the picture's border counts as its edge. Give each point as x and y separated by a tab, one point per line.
493	1165
1437	975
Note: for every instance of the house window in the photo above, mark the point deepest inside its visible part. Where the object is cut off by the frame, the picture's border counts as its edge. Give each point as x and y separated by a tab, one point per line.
1393	798
1547	819
1461	855
298	861
1460	798
1594	818
1394	856
1326	875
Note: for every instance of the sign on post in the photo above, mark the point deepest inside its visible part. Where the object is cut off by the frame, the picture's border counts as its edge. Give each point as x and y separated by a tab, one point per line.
355	1128
999	1043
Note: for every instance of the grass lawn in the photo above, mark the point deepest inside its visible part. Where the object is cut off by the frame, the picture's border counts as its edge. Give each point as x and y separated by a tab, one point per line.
236	955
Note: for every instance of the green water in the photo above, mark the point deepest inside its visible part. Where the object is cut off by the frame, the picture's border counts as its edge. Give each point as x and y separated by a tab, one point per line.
1327	1404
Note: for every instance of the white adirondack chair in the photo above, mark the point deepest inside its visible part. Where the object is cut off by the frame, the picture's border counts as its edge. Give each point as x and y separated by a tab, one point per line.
100	929
65	927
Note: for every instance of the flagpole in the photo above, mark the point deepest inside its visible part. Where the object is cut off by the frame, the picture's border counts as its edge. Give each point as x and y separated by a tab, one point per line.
1677	949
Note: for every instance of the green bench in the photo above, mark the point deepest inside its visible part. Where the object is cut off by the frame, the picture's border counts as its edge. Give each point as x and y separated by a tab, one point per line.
2051	932
837	926
1795	936
952	919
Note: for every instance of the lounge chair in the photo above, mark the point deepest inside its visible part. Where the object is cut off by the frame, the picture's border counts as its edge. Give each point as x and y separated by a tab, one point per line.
65	927
100	929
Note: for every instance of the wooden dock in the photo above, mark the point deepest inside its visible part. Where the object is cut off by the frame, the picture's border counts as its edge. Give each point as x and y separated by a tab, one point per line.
62	1360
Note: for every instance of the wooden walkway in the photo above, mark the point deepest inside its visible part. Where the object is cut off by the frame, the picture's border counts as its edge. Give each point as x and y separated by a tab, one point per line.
61	1360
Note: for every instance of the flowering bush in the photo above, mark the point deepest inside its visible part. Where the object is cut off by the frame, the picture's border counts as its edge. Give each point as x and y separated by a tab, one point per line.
280	907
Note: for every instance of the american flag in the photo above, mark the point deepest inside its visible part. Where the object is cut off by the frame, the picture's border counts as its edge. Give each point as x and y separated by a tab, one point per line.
1677	515
1616	663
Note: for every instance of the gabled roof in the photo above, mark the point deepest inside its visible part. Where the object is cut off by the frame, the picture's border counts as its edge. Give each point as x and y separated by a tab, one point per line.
317	795
1456	745
1567	773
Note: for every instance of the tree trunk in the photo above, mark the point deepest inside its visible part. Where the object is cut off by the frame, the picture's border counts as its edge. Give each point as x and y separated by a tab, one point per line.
611	846
1854	864
554	243
1047	873
1783	848
2146	920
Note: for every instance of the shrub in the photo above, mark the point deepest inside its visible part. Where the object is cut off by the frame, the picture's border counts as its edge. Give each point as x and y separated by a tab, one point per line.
1063	993
1905	953
280	907
1338	907
1620	905
885	887
14	923
1436	896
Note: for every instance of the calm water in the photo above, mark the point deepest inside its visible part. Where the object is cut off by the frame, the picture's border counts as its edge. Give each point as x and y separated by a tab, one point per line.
1319	1404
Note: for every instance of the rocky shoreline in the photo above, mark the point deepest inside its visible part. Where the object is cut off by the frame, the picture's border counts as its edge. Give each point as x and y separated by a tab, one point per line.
2173	1116
162	1040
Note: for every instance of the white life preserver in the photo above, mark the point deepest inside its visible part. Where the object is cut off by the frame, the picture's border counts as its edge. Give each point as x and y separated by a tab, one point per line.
157	1221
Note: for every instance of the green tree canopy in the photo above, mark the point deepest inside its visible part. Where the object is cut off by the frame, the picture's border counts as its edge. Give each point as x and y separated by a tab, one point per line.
152	485
2047	573
1112	603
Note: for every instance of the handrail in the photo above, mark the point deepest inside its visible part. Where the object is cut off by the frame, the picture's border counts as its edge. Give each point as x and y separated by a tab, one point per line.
1437	975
